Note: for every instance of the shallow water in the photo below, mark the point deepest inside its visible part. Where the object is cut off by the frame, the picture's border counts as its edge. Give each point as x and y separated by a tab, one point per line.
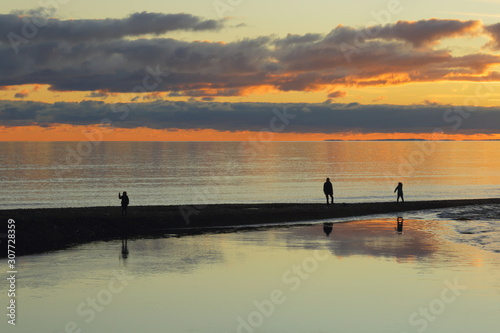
70	174
363	277
476	225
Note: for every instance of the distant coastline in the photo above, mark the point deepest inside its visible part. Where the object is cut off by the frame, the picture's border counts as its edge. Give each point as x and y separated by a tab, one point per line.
41	230
404	140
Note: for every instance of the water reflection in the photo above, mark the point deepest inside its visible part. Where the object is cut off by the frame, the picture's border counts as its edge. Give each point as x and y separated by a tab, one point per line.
187	254
399	225
327	228
369	271
124	252
125	234
183	255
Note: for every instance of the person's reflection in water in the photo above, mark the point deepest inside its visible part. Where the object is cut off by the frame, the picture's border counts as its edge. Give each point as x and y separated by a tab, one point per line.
125	235
399	225
327	228
124	254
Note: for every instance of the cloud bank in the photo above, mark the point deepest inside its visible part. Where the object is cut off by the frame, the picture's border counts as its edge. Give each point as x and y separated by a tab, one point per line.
112	55
300	118
88	30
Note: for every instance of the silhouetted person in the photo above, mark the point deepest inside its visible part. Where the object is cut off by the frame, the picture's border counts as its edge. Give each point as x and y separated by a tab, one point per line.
125	202
327	228
328	190
399	188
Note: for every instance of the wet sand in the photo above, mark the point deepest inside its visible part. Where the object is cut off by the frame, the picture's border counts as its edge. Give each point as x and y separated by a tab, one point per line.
40	230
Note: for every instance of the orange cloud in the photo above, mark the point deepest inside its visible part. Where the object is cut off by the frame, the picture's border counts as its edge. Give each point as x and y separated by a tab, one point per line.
25	92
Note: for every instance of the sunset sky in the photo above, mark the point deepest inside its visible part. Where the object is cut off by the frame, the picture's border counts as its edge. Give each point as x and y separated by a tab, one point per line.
237	70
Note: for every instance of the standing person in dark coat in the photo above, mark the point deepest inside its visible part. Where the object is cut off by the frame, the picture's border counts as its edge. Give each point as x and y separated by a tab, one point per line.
399	188
328	190
125	202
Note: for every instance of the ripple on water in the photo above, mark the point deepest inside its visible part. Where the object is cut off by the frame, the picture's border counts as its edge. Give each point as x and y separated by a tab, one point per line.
475	225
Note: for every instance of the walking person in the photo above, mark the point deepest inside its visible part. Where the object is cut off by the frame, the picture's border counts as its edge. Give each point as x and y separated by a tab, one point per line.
399	189
328	190
125	202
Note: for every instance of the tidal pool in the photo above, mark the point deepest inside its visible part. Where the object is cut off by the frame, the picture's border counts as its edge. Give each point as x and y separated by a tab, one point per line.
359	276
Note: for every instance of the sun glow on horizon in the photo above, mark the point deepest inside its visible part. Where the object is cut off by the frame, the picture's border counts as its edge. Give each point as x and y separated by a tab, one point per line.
100	133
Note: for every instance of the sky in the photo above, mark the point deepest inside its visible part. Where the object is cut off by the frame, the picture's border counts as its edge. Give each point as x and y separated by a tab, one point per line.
237	70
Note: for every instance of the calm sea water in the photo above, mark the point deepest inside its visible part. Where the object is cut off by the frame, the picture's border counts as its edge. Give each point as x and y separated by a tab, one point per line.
72	174
363	277
439	275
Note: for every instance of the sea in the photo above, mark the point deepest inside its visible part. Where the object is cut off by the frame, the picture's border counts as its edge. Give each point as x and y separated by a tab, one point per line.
83	174
437	271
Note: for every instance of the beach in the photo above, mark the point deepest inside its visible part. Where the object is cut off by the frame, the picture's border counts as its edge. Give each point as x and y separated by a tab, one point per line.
41	230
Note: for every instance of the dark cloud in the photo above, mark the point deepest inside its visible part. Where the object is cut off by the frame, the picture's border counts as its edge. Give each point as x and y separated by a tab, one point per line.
96	55
78	31
417	33
337	94
425	32
300	118
431	102
22	94
156	95
494	31
99	94
291	39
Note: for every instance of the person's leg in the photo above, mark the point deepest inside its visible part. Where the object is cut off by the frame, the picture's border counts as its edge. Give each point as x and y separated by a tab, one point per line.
327	202
332	198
